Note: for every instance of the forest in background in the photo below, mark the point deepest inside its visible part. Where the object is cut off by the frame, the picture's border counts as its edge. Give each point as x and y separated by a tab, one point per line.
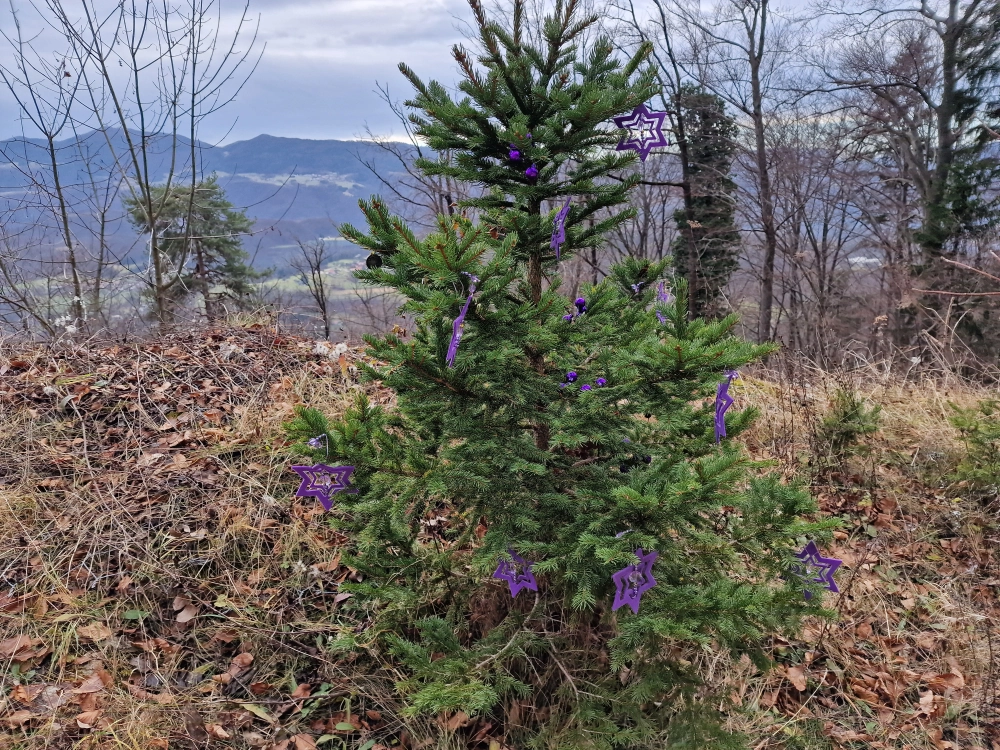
831	178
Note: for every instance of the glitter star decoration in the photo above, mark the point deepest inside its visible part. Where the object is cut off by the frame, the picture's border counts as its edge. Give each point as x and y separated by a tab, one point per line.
324	482
517	573
722	403
632	581
815	568
559	228
645	131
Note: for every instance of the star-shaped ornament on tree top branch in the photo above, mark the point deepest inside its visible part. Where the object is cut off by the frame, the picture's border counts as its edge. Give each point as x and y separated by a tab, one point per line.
815	568
645	131
633	581
517	573
324	482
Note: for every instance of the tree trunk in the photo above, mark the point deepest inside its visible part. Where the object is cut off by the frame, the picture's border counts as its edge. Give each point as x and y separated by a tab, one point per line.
766	203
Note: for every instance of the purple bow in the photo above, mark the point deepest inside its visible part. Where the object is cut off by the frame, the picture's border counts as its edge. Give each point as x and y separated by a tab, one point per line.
459	325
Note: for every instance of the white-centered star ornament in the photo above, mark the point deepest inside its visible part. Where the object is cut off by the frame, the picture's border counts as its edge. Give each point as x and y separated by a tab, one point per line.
645	131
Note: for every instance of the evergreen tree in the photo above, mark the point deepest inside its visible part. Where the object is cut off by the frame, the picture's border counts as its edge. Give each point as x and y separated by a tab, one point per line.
706	224
570	434
203	235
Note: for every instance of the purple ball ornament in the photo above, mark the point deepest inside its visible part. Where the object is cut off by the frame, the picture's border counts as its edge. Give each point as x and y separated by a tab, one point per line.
571	376
513	154
600	382
323	482
581	305
632	581
531	172
584	387
517	573
568	318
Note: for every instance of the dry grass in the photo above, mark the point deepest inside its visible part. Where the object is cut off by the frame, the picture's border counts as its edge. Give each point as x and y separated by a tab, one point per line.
167	590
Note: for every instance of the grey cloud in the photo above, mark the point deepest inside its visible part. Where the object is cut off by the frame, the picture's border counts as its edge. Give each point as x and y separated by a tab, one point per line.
320	65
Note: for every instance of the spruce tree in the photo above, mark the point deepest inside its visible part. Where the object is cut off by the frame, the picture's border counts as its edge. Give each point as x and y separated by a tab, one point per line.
567	433
707	224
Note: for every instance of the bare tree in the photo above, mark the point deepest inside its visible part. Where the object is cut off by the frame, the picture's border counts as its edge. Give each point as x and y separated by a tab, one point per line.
309	266
151	73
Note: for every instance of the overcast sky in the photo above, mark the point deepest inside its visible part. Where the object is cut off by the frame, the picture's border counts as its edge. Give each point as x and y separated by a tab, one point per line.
322	59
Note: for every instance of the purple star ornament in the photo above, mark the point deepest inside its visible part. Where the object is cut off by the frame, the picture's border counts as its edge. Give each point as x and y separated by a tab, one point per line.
722	403
324	481
458	327
817	569
645	131
517	573
663	295
559	228
632	581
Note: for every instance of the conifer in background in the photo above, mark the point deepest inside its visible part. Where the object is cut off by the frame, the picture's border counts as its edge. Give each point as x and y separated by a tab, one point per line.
505	452
708	225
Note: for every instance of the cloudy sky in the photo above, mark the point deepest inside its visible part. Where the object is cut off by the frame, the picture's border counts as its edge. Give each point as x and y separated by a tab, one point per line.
318	75
321	61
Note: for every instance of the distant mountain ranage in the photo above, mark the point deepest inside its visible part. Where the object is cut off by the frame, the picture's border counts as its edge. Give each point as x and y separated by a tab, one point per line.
301	188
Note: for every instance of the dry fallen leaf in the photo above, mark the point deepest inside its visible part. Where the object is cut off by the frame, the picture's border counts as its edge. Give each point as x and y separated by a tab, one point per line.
940	682
195	725
217	731
187	614
93	684
96	631
26	693
21	648
88	719
797	676
304	742
302	690
18	719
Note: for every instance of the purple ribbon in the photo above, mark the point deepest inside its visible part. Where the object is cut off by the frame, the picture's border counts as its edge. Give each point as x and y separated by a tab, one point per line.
459	325
722	403
559	228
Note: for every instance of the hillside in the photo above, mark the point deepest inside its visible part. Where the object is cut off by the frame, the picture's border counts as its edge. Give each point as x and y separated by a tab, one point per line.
292	187
161	587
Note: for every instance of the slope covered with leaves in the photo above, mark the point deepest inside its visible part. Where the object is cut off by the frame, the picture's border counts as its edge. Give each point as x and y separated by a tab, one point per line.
160	586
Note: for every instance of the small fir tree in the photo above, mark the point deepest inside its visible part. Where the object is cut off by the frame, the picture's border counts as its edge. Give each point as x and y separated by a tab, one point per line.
707	225
202	235
503	453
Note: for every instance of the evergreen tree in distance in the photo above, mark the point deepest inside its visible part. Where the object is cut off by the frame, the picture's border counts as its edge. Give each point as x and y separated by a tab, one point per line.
707	224
202	235
535	442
